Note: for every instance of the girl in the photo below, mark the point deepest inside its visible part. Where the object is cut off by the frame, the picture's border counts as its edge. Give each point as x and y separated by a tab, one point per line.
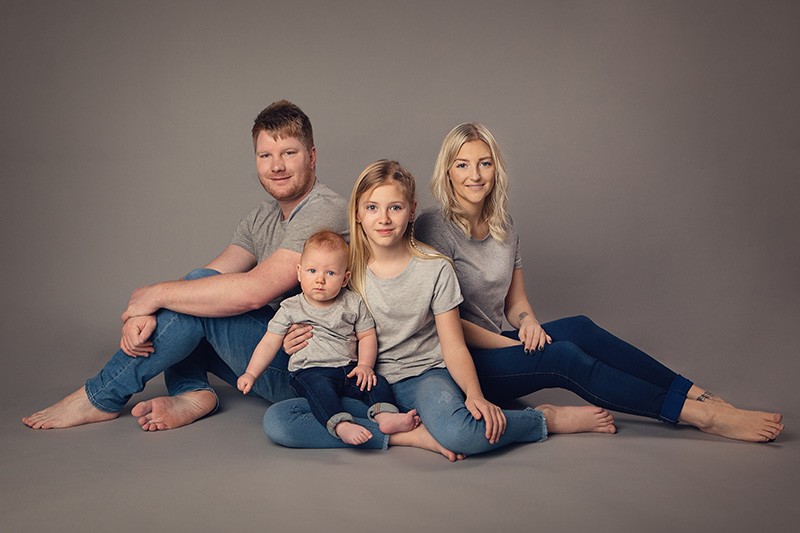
472	228
413	295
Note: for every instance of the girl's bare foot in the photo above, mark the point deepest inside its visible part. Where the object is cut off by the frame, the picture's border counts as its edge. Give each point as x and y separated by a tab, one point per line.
391	423
701	395
352	433
574	419
73	410
171	412
726	421
420	438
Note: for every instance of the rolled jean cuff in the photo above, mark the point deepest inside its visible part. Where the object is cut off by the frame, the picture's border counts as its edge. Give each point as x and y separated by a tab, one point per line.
381	407
538	432
676	397
335	419
96	403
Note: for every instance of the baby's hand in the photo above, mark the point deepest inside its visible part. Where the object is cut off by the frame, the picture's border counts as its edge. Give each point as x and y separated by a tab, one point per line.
245	382
365	377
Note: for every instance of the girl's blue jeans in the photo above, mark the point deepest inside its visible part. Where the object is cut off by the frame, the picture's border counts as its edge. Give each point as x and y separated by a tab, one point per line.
186	349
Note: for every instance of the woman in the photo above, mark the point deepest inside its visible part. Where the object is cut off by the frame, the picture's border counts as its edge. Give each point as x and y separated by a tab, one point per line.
472	227
413	296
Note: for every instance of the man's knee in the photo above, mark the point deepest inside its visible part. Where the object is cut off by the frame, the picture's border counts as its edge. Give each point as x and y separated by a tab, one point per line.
201	273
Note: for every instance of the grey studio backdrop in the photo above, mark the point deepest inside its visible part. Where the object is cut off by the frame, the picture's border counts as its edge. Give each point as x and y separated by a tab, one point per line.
654	154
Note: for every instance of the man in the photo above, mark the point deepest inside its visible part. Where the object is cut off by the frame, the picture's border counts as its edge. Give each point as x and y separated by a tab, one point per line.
213	319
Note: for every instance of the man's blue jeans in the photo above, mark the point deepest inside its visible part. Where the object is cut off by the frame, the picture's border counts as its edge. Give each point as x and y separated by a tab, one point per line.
186	348
589	361
440	404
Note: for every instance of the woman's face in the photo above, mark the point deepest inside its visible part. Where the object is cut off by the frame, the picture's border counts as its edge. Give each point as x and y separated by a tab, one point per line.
472	174
384	213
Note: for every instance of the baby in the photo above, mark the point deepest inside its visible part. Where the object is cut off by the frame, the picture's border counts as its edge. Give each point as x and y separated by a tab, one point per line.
340	357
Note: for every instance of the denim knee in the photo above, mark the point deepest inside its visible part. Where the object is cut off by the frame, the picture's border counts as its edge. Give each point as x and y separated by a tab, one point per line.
201	273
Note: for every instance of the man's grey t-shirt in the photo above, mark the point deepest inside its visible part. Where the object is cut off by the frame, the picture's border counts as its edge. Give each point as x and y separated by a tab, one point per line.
334	341
263	231
404	308
484	267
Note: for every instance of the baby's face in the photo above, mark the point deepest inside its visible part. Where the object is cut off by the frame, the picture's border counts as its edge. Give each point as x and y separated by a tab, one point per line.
322	273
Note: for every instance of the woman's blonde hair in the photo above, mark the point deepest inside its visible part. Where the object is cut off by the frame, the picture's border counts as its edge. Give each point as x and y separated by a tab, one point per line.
379	173
495	208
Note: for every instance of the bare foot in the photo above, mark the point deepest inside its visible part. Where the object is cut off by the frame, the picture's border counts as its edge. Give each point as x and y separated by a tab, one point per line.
574	419
702	395
726	421
171	412
352	433
391	423
73	410
420	438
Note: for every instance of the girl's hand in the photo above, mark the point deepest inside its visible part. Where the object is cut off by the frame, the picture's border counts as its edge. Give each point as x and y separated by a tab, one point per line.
296	338
365	377
492	416
532	335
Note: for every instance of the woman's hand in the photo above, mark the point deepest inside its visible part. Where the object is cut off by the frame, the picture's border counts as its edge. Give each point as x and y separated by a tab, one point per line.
365	377
296	338
136	332
492	416
532	335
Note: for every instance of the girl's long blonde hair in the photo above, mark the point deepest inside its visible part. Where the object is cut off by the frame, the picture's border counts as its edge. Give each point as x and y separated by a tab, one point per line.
379	173
495	208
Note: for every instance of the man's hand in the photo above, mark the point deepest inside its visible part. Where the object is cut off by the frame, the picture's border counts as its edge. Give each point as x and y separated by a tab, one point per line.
142	302
136	332
296	338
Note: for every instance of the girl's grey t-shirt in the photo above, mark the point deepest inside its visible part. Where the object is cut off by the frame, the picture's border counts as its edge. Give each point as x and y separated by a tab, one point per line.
404	308
334	341
484	267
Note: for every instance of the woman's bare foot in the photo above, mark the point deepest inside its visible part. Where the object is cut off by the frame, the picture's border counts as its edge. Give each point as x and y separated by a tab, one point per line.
171	412
420	438
352	433
577	419
73	410
391	423
730	422
702	395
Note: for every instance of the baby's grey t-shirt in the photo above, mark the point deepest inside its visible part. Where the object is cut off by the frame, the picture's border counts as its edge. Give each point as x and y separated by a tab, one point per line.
404	308
484	267
334	341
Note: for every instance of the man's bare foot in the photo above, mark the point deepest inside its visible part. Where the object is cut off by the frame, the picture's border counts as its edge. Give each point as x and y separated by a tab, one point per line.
73	410
171	412
577	419
702	395
391	423
352	433
726	421
420	438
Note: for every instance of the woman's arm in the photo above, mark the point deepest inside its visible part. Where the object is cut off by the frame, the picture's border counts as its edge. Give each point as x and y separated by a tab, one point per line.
519	313
459	363
482	338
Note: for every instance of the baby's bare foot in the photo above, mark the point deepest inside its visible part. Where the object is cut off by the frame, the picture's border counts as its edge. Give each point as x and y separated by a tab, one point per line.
73	410
171	412
352	433
574	419
391	423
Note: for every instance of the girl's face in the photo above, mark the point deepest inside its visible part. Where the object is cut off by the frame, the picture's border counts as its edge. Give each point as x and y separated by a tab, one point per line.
472	174
384	214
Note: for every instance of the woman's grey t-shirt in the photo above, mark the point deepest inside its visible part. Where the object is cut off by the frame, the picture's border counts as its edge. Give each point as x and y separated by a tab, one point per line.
334	341
404	308
484	267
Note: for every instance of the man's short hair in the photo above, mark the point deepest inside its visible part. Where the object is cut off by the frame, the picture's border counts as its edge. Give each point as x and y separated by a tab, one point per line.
283	119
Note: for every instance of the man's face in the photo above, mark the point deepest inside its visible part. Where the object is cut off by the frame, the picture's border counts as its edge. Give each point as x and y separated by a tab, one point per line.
285	166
